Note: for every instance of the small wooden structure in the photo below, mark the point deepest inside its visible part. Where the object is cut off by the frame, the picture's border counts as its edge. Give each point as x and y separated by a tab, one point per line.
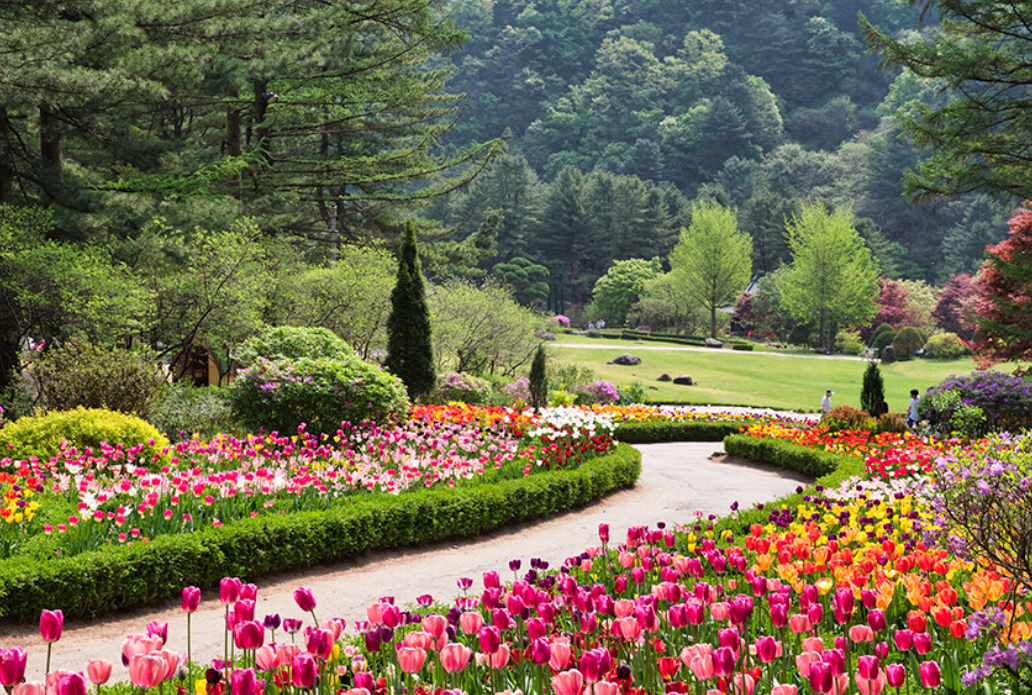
200	365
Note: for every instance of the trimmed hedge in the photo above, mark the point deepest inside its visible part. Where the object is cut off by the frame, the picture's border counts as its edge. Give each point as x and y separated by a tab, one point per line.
95	582
688	431
792	456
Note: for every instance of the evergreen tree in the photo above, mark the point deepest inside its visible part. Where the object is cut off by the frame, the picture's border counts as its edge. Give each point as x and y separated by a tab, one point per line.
410	353
872	394
538	379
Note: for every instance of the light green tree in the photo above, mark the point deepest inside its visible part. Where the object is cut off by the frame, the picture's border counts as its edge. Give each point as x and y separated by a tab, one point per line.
713	259
622	285
832	278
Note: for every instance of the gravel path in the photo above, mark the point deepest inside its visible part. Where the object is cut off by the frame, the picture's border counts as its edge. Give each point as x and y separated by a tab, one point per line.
677	480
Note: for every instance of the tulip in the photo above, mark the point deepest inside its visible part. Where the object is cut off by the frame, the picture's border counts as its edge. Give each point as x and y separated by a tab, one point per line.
146	670
804	661
454	657
411	659
191	598
799	623
136	644
603	533
244	681
285	653
304	599
391	616
319	643
539	652
159	630
861	633
922	643
560	654
568	682
243	610
720	611
904	639
99	671
435	623
265	658
50	625
30	688
895	674
930	674
876	620
70	684
272	622
872	686
500	659
291	625
372	640
766	649
867	667
813	644
595	663
723	661
536	628
303	669
743	684
741	609
778	615
702	667
420	639
836	658
248	592
815	613
820	677
229	590
604	688
249	634
12	666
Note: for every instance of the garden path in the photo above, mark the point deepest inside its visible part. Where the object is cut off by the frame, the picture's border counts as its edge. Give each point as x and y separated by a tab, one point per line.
677	480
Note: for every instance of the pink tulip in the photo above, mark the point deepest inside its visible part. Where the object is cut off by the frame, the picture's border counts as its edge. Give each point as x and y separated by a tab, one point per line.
411	659
375	613
304	599
136	644
603	688
303	670
229	590
724	661
285	653
720	611
99	671
813	644
146	670
12	666
335	626
454	657
560	654
244	681
29	688
70	684
871	686
623	608
50	625
702	667
191	598
785	689
804	661
265	658
471	622
171	662
930	674
743	685
595	663
435	624
904	639
391	615
158	629
568	682
861	633
243	610
799	623
539	652
500	658
419	640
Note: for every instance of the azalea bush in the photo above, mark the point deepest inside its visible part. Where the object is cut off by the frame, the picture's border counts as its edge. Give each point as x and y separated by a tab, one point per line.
458	386
1004	399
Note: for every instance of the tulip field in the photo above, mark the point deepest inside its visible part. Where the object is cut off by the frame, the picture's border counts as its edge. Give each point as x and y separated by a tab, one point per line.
909	579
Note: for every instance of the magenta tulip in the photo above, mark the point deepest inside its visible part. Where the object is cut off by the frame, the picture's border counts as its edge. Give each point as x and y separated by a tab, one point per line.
50	625
539	652
778	614
319	643
249	634
12	666
922	643
70	684
490	638
243	681
159	630
303	669
364	679
191	598
895	674
930	674
867	667
766	649
820	677
904	639
99	671
603	533
304	599
595	663
229	590
723	661
876	620
248	592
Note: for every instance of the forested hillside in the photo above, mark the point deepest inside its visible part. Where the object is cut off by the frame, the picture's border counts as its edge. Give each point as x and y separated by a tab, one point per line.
620	113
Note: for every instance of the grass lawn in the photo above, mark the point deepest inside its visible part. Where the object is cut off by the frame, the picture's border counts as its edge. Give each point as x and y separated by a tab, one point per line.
743	378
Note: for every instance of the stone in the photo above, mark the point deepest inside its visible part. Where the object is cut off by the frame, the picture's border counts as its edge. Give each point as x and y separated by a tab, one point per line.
627	359
593	333
545	335
684	380
713	343
663	377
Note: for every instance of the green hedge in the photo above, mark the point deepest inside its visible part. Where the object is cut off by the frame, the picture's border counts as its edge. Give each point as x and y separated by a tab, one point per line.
120	577
688	431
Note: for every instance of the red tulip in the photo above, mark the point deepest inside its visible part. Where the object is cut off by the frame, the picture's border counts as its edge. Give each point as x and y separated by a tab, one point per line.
99	671
303	670
244	681
50	625
930	674
191	598
305	599
12	666
568	682
454	657
668	667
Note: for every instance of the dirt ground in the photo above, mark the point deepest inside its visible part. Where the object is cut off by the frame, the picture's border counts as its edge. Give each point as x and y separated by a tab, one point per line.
678	480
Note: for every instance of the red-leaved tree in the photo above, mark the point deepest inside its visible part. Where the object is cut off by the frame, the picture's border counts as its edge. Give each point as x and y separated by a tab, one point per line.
1004	287
892	306
955	310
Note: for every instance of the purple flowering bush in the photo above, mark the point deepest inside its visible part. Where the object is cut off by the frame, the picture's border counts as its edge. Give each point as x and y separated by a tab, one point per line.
561	320
518	391
1004	399
598	391
461	387
321	393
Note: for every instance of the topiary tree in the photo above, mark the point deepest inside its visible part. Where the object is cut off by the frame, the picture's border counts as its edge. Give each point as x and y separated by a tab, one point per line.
872	393
538	379
883	335
410	353
908	341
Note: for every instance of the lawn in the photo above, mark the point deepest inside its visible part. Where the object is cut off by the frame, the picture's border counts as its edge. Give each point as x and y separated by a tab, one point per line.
743	378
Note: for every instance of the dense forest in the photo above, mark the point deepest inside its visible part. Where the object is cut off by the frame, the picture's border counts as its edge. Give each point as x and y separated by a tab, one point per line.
619	114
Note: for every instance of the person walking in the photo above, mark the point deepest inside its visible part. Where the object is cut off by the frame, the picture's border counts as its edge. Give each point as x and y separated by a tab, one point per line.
826	403
912	417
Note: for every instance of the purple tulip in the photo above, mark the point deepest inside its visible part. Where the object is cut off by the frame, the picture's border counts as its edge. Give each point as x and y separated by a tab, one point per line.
273	621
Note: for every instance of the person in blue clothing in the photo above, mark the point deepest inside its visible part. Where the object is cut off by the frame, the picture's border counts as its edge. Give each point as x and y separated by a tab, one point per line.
912	417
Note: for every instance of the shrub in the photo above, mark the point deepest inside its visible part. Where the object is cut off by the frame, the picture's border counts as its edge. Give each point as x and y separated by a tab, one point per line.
849	342
945	346
282	394
635	393
872	393
1004	399
561	320
291	342
908	341
456	386
80	374
948	414
538	380
43	435
518	392
883	335
182	409
846	417
599	391
892	422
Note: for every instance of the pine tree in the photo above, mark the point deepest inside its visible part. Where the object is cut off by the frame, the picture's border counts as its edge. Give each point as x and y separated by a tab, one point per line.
872	393
410	354
538	380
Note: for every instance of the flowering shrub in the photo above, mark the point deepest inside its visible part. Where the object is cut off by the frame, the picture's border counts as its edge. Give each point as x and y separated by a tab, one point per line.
279	395
598	391
1004	399
458	386
560	320
518	391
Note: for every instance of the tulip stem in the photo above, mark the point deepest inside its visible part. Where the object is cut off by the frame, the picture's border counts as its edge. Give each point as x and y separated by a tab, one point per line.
50	646
188	650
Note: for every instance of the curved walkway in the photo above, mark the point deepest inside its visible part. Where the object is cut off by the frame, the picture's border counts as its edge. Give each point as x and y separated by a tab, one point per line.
677	480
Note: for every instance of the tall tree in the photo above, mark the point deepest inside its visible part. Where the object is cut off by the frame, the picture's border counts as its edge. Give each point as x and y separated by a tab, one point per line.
410	353
712	261
982	52
832	278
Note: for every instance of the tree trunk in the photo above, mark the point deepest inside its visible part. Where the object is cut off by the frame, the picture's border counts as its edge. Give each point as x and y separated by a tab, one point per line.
261	105
233	147
50	145
8	359
713	321
6	159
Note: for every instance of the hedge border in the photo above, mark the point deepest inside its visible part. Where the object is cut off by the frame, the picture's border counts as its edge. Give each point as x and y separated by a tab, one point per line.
686	431
91	583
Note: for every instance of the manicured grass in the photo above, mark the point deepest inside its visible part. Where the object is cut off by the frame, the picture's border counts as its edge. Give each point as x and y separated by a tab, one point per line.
744	378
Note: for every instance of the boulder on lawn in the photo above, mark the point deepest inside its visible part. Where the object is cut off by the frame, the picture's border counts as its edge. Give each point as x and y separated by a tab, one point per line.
713	343
544	335
627	359
592	333
663	377
684	380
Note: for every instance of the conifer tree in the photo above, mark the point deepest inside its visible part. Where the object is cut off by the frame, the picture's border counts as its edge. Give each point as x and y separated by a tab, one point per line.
410	354
538	379
872	393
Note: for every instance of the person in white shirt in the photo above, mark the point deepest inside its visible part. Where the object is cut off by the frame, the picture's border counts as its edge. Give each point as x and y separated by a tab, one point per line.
826	402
